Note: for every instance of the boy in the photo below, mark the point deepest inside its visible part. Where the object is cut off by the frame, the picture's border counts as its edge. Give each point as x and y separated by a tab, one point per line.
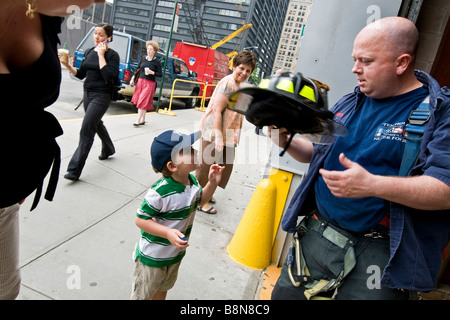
167	214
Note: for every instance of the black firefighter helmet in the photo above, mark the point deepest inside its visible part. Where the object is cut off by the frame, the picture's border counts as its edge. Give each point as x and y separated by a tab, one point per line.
291	101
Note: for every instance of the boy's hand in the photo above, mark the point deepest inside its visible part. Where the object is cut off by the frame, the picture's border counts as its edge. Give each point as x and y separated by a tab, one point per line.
215	174
175	238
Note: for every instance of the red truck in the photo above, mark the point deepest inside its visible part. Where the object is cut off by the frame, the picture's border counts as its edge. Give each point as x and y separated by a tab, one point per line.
210	65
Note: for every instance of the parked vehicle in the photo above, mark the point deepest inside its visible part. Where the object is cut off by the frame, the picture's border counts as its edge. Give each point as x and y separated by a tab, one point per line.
209	64
131	49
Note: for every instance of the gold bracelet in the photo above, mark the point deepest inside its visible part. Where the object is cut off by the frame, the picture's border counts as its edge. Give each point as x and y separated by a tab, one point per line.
31	8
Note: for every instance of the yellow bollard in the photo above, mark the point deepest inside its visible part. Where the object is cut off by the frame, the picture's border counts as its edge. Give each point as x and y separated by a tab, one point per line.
167	112
252	242
282	180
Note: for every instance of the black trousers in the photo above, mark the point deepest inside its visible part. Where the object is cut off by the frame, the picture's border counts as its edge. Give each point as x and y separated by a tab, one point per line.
95	106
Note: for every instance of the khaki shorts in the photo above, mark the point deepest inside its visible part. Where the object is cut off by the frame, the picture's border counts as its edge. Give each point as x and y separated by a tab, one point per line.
149	280
9	253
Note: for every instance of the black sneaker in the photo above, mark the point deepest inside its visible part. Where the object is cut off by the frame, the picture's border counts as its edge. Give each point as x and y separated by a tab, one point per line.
71	176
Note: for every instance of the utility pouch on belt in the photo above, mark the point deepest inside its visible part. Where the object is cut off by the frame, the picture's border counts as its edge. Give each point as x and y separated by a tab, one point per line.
334	256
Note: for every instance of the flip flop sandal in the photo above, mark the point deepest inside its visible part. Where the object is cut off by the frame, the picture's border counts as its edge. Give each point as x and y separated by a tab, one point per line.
212	200
211	210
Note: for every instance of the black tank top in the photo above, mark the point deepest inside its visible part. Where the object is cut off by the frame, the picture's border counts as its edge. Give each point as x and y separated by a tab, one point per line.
28	148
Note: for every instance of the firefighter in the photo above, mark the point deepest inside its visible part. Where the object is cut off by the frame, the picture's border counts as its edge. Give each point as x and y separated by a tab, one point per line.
369	228
397	227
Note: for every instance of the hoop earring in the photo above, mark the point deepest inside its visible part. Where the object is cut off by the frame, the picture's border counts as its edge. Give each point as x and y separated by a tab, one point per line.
32	8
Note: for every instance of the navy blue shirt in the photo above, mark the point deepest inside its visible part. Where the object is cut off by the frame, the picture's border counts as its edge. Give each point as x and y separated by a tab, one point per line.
375	141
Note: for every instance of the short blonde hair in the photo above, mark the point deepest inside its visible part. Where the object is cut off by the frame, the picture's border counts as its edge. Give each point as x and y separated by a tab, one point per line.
152	43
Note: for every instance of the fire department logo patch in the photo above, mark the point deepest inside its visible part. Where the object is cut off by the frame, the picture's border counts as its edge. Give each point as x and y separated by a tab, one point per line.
387	131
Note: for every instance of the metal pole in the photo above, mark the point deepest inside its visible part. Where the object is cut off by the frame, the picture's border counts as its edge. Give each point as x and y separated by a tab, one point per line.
93	12
167	56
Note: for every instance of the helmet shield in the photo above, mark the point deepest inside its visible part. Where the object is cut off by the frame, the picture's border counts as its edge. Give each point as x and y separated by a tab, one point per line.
292	102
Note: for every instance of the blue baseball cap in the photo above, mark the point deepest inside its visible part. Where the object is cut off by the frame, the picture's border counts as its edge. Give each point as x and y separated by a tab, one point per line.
169	142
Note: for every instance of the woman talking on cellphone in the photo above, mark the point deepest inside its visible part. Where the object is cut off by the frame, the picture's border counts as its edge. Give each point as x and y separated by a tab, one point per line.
100	66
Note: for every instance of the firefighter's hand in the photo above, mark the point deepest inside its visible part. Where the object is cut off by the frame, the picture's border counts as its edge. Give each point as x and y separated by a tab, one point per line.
300	149
353	182
279	136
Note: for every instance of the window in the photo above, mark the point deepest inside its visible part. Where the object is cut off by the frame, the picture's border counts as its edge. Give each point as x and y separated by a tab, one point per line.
166	4
165	16
184	69
179	67
161	27
136	12
143	51
139	1
135	50
131	23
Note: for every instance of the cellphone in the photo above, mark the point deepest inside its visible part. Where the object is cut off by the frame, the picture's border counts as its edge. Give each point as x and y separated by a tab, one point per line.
108	40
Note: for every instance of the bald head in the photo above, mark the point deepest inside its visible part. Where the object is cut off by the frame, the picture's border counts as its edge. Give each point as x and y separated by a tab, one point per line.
384	53
398	35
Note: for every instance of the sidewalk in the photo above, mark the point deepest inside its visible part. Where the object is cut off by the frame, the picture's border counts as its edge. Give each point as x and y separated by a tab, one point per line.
80	245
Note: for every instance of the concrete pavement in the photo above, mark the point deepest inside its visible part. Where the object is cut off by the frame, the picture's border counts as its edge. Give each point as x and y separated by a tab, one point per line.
80	245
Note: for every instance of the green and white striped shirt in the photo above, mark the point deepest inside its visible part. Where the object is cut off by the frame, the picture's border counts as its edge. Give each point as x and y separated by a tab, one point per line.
173	205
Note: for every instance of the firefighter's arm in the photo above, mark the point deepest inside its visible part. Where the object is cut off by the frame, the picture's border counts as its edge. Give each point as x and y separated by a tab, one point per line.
300	149
419	192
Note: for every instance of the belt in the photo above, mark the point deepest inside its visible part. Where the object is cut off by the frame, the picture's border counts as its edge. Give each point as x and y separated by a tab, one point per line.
337	237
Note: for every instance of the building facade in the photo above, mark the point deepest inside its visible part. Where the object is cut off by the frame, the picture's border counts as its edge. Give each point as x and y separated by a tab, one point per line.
98	13
207	22
290	40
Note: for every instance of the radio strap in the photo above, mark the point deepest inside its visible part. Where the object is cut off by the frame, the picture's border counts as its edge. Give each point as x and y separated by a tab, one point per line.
413	134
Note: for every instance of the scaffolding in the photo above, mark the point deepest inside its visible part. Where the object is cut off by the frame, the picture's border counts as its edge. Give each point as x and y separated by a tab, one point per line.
193	10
